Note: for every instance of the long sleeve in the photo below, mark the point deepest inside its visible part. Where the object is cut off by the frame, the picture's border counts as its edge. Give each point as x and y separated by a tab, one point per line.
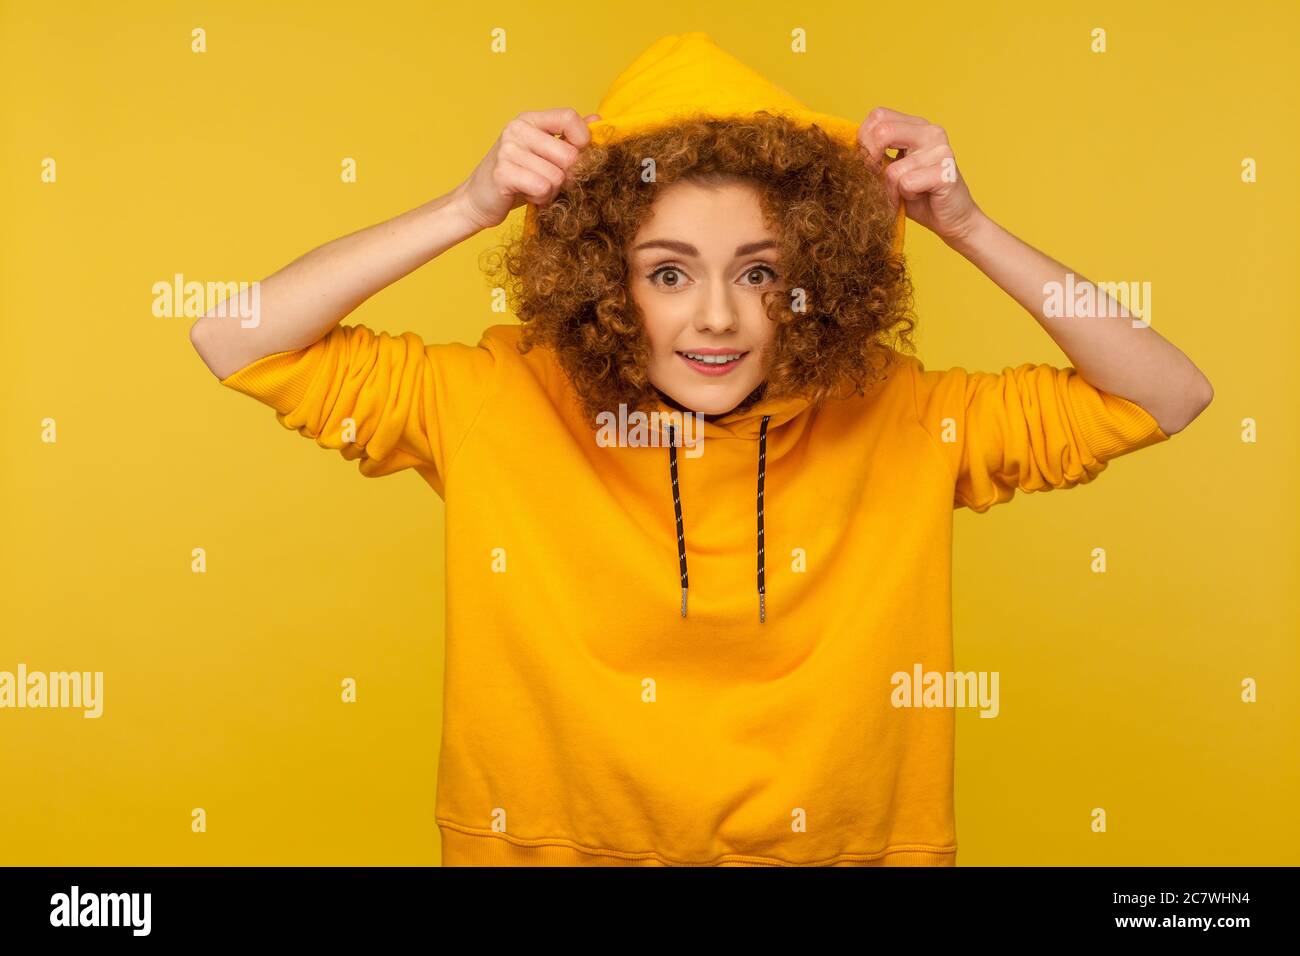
392	402
1029	428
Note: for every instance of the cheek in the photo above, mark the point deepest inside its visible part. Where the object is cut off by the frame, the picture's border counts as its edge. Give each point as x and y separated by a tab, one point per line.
654	333
657	322
765	333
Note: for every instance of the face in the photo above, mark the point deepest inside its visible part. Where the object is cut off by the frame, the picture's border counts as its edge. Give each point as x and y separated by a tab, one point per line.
699	266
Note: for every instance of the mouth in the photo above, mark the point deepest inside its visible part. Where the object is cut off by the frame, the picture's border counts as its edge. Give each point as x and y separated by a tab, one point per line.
713	362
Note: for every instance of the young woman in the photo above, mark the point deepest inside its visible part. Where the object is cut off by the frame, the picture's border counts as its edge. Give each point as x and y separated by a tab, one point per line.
699	501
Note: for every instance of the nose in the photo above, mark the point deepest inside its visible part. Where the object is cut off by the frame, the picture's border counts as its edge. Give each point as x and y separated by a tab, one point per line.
718	310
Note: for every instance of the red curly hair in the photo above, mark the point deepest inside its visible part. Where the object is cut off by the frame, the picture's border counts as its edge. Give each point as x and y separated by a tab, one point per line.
568	281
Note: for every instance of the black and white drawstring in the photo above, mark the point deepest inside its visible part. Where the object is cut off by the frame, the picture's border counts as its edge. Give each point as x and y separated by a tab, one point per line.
677	508
681	535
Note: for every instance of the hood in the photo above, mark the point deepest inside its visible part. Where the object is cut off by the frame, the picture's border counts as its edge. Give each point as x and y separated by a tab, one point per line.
675	77
744	424
688	74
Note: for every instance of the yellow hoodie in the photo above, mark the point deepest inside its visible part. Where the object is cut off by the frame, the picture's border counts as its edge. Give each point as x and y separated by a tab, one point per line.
591	716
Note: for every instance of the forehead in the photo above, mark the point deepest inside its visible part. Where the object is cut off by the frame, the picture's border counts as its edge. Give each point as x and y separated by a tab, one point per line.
712	218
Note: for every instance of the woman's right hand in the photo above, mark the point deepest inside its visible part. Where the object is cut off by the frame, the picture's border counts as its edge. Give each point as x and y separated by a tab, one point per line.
527	163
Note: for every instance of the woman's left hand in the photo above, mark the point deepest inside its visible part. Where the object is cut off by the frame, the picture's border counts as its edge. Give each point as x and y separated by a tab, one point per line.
925	175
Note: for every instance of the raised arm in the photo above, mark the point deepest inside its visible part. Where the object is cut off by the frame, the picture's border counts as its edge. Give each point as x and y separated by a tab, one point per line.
303	301
1111	350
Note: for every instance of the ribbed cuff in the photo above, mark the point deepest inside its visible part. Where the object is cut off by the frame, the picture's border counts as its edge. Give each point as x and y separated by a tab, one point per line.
281	379
1110	425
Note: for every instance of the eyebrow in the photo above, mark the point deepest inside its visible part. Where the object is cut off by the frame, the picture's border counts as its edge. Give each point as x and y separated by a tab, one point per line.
686	249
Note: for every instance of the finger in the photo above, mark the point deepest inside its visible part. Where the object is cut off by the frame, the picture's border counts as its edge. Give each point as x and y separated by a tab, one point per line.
915	183
560	121
881	113
928	156
533	140
920	172
892	135
881	134
531	185
551	174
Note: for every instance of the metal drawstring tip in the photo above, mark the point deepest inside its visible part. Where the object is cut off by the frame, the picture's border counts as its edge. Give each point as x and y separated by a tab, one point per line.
762	607
683	602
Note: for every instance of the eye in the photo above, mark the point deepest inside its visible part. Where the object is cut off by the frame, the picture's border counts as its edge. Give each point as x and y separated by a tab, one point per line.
759	269
666	269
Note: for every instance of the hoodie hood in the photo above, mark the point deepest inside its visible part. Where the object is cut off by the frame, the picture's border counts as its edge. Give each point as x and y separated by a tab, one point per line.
688	74
744	424
677	77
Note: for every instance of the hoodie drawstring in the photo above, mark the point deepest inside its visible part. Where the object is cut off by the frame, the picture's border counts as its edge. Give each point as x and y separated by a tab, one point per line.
762	470
681	535
677	508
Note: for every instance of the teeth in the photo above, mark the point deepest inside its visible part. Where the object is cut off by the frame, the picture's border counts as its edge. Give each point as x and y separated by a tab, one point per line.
713	359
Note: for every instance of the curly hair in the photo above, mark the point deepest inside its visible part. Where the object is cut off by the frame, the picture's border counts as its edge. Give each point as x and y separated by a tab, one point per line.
568	281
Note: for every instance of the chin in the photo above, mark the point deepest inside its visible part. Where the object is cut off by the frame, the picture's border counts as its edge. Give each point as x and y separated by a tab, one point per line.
711	401
714	406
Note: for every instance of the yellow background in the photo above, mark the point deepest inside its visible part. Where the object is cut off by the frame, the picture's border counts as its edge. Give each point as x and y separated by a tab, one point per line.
1119	691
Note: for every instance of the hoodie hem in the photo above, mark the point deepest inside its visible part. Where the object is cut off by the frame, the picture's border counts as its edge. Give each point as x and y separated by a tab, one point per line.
462	846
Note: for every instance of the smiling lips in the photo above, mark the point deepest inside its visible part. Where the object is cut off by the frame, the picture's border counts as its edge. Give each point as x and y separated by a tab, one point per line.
713	361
